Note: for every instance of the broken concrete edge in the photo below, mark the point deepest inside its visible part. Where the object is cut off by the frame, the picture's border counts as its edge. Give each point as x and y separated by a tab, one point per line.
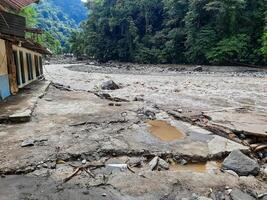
72	157
215	129
25	115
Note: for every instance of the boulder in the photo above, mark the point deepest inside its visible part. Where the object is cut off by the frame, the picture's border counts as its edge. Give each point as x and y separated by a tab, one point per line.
241	164
109	85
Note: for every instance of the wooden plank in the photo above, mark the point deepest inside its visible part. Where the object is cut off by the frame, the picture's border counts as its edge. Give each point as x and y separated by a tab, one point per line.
12	72
12	24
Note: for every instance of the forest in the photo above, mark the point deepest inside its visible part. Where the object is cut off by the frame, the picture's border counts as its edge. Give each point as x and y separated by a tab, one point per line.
221	32
59	19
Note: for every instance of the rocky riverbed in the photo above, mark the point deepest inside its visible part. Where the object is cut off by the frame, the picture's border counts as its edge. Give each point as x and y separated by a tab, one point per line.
124	131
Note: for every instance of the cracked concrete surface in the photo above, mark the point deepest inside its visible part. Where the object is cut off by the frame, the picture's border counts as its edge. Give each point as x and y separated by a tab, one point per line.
76	125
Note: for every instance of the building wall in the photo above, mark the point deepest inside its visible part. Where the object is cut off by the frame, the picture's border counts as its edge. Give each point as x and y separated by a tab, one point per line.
4	81
4	76
3	61
25	64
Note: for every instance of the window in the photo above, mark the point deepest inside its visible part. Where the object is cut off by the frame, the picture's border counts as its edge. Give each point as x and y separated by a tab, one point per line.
15	55
41	65
29	66
36	66
21	57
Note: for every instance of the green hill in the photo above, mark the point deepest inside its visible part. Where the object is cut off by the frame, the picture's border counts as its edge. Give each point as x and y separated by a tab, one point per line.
59	18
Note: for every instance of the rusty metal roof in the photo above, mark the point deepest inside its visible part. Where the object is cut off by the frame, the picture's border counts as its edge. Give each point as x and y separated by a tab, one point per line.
17	4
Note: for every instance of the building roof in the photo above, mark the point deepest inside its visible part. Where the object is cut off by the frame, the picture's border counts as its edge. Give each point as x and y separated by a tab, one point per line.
17	4
27	43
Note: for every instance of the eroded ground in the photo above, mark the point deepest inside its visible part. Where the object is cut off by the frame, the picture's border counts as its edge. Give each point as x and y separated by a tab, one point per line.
184	117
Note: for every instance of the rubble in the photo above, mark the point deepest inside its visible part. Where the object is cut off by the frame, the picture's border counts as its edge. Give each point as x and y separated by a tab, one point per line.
163	164
109	85
237	194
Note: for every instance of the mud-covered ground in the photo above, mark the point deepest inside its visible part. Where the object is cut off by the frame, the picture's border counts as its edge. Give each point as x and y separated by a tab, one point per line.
79	127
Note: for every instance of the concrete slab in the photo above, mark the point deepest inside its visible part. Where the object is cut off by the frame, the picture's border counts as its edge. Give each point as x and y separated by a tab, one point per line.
19	108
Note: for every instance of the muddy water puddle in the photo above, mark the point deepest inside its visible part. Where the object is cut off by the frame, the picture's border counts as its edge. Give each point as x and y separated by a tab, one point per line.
164	131
197	167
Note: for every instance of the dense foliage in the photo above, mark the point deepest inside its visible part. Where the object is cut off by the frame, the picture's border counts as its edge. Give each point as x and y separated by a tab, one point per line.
59	19
175	31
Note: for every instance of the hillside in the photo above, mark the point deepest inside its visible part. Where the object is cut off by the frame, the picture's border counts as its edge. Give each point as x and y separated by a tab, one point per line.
59	19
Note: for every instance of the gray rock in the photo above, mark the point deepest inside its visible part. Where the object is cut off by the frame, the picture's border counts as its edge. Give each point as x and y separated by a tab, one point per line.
27	143
84	162
153	163
241	164
198	69
150	114
138	98
237	194
109	85
163	164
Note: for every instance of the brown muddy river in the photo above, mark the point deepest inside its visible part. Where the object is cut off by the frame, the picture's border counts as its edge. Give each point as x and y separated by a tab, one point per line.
164	131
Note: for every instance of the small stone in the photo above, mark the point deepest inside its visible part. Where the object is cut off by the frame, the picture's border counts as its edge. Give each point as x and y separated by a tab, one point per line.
27	143
84	162
183	162
109	85
104	194
150	114
163	164
237	194
241	164
85	192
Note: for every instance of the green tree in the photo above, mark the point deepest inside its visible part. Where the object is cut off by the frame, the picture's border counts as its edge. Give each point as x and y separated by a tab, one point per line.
174	31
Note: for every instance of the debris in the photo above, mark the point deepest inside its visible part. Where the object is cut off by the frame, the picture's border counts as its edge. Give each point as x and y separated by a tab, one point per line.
183	162
138	98
84	168
153	163
196	197
124	115
61	87
107	96
262	195
122	167
260	147
135	161
104	194
237	194
84	162
27	143
241	164
198	69
163	164
231	172
48	99
109	85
